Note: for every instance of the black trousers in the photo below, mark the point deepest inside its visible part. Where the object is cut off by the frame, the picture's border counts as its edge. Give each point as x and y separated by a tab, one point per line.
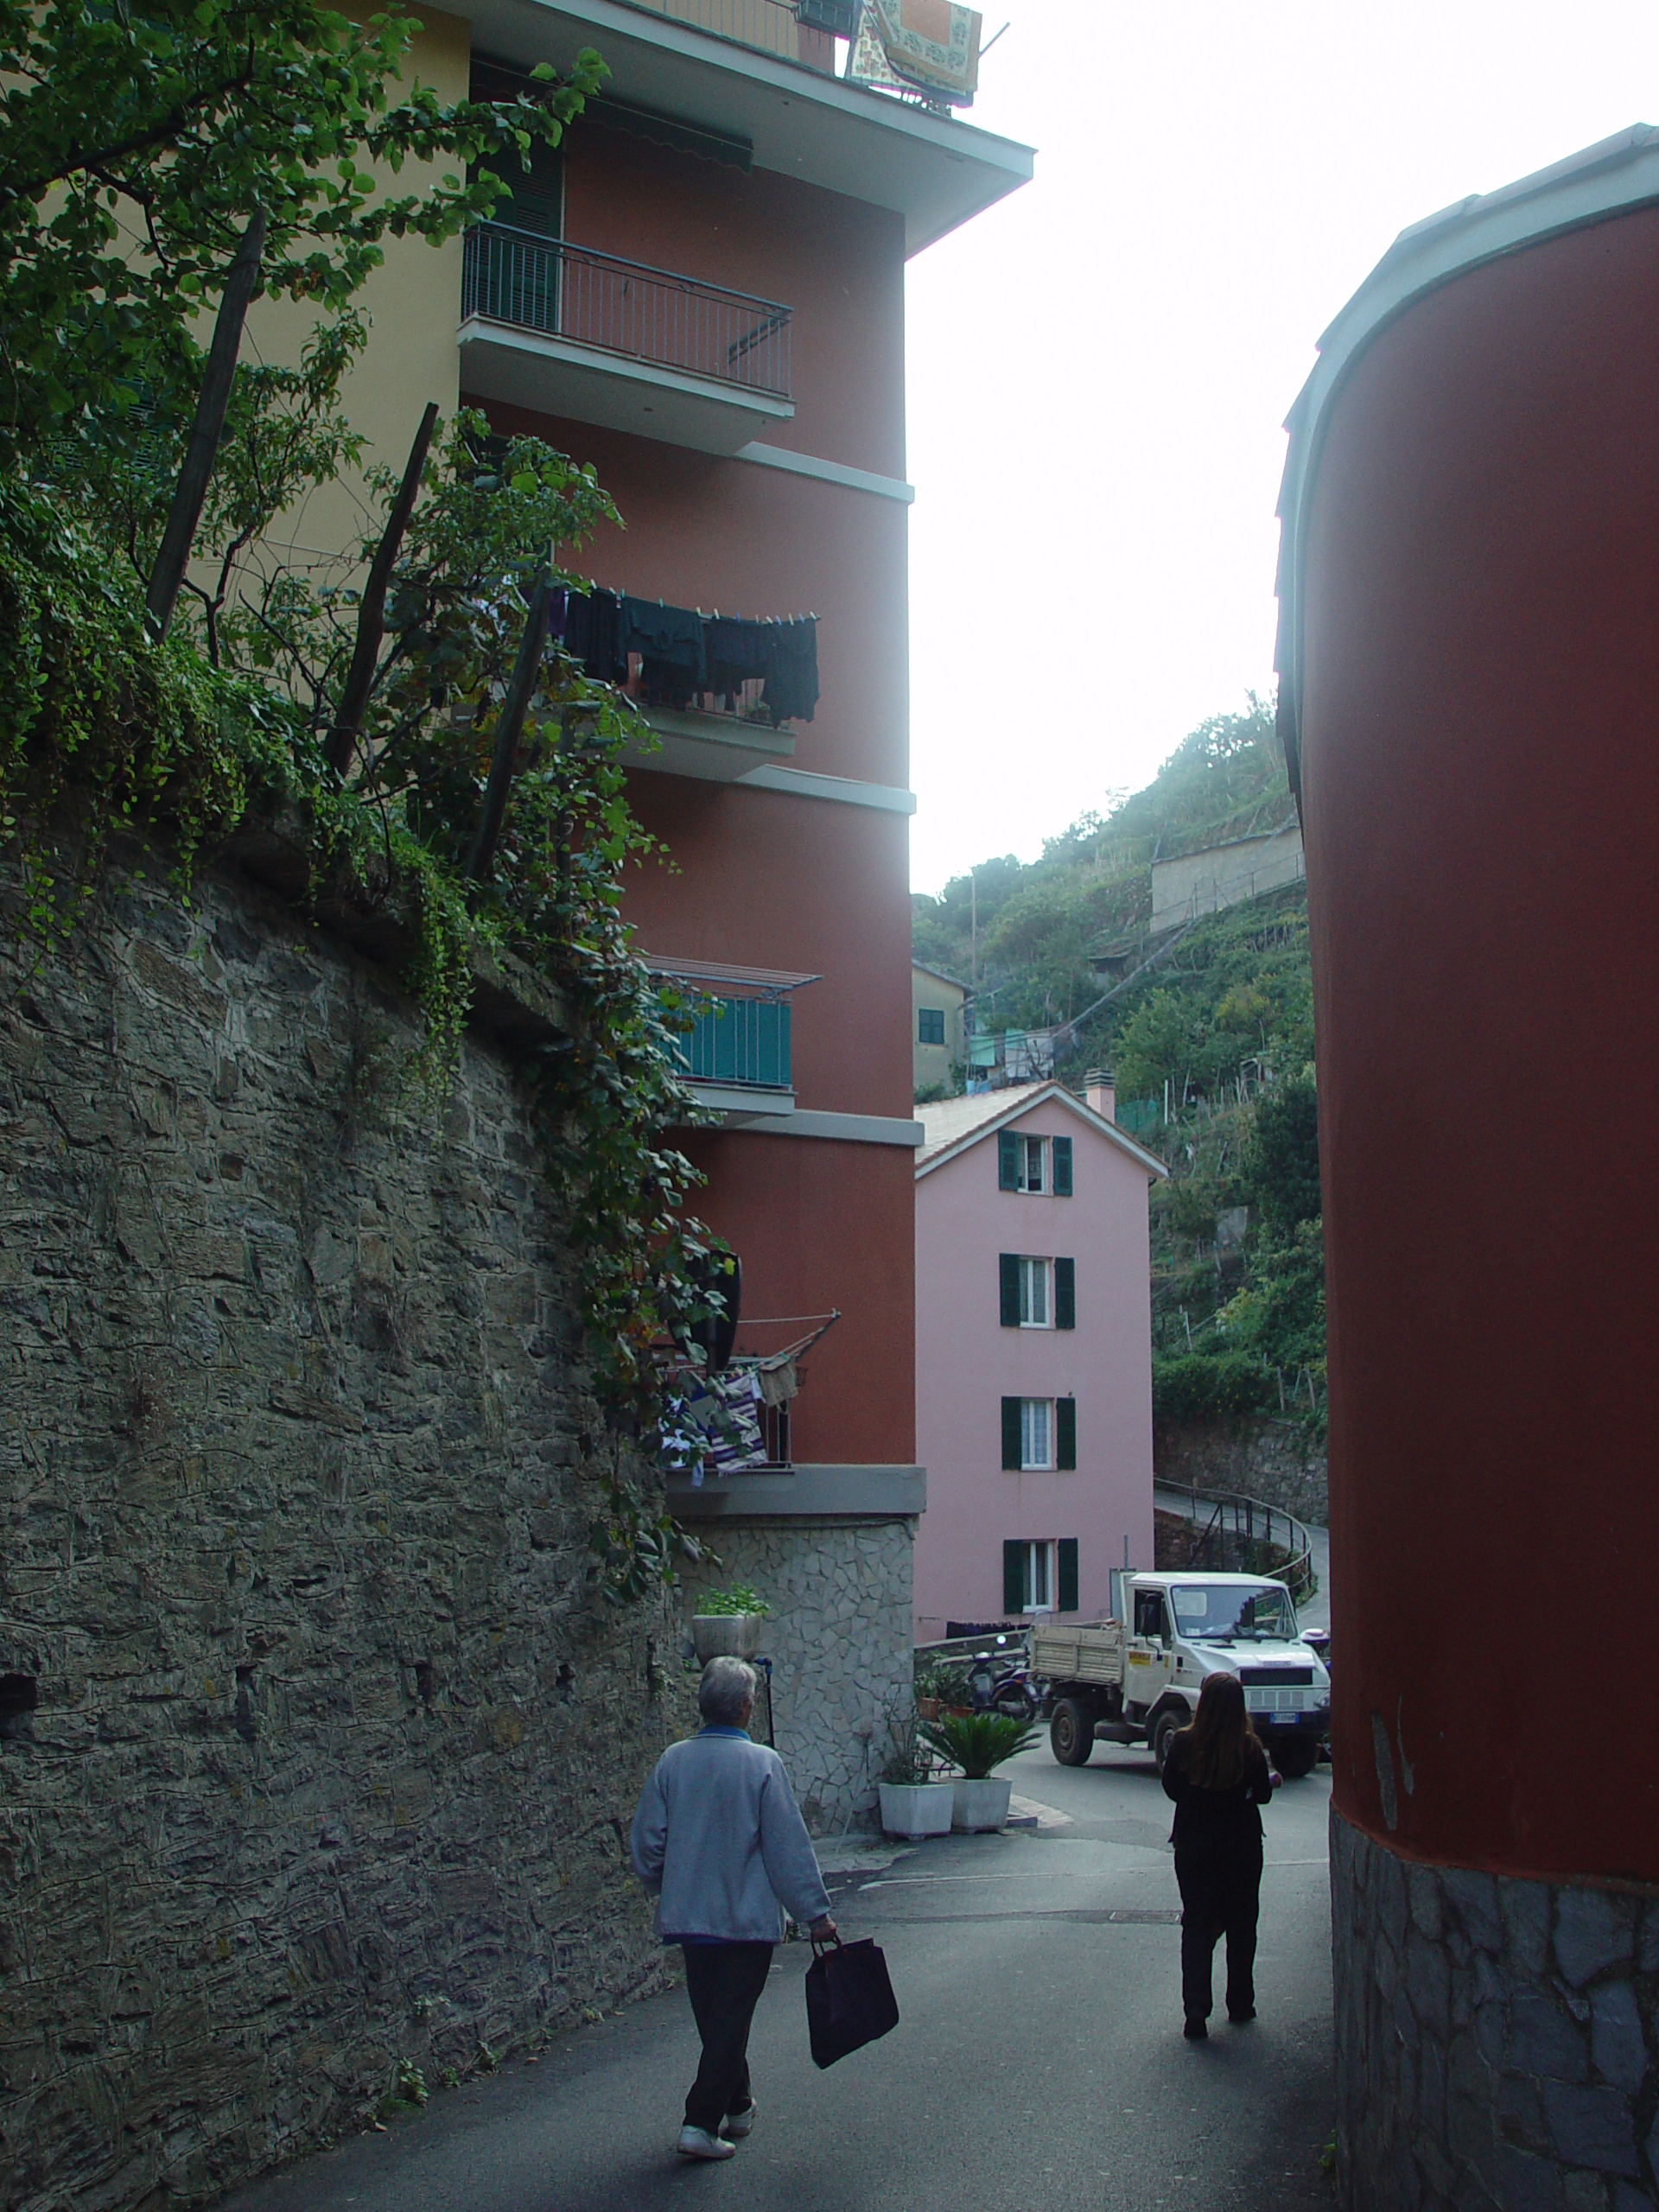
724	1982
1220	1893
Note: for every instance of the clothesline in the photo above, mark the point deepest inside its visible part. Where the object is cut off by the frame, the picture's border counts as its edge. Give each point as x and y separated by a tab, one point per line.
685	654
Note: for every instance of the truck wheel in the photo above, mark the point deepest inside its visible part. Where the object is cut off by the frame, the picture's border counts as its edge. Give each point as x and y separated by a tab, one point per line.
1296	1757
1164	1729
1071	1733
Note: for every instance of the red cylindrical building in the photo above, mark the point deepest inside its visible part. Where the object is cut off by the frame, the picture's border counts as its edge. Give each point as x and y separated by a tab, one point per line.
1469	697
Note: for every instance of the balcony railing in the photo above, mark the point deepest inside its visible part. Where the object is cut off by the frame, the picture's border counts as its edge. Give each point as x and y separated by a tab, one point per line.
739	1040
620	306
804	33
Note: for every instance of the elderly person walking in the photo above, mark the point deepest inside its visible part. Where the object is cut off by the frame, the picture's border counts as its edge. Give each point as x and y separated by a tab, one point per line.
719	1840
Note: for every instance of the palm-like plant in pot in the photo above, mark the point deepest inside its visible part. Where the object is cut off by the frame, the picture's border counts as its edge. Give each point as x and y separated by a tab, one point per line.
978	1743
914	1801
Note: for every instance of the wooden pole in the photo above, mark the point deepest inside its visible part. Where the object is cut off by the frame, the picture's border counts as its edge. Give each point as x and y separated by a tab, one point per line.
509	725
371	609
215	398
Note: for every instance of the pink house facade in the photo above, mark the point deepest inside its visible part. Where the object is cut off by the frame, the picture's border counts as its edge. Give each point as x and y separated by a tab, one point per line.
1033	1356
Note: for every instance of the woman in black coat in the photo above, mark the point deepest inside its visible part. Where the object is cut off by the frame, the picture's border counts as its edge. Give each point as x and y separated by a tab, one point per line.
1218	1774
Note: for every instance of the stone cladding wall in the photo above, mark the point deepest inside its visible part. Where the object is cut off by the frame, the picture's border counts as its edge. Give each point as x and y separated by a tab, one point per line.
1272	1460
1497	2039
840	1643
316	1751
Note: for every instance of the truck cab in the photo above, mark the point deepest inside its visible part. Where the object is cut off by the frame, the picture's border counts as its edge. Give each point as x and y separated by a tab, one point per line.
1137	1676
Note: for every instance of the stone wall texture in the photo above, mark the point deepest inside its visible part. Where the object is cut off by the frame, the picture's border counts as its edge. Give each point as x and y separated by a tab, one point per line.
316	1751
1497	2039
1272	1460
840	1644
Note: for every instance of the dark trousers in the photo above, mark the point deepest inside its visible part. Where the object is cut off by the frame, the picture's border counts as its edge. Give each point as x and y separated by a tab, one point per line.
1220	1892
724	1982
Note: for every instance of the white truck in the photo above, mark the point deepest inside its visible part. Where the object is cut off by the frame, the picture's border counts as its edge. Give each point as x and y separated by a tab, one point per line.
1135	1678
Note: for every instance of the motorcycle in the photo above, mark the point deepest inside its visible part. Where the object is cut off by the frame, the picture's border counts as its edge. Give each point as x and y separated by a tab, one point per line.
999	1681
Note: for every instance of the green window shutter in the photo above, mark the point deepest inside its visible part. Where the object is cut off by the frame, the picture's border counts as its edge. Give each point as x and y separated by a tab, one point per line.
1011	1433
1067	1548
1066	1432
1065	1293
1007	1160
1008	1270
1062	1167
1014	1574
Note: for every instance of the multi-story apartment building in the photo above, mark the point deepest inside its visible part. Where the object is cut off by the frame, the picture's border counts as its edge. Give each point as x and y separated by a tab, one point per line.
703	294
1033	1364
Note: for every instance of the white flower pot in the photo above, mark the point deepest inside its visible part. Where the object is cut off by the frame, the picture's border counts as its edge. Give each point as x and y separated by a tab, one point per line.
914	1810
981	1806
725	1635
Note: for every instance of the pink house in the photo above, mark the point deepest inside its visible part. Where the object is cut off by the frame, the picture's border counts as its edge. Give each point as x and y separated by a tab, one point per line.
1033	1354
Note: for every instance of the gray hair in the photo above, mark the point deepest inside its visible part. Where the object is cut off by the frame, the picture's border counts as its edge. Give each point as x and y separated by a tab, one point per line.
726	1692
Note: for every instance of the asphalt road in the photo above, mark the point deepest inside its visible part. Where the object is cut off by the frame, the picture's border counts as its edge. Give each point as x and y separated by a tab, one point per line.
1039	2062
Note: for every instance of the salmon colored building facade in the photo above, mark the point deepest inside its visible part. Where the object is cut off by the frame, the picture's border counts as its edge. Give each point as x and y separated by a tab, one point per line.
702	295
1470	664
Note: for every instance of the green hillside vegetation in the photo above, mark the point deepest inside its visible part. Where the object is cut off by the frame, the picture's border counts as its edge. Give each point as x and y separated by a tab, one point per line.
1211	1045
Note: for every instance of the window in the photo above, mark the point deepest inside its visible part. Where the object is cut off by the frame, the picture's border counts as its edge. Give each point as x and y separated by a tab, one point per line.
1034	1302
1033	1154
1039	1433
1151	1622
1033	1164
1037	1580
929	1025
1040	1577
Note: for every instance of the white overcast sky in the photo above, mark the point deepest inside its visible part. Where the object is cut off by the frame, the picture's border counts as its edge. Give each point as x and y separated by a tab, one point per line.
1099	367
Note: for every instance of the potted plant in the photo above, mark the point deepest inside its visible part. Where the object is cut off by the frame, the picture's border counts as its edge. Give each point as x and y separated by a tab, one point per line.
727	1624
936	1688
978	1743
913	1802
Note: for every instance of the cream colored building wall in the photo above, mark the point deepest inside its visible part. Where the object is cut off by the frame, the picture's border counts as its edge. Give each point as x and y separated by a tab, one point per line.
412	303
933	1063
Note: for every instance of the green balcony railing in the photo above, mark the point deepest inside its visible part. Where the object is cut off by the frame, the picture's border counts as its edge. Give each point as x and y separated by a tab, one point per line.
739	1040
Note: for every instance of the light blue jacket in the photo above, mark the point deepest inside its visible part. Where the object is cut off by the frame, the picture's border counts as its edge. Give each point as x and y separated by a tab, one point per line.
719	1840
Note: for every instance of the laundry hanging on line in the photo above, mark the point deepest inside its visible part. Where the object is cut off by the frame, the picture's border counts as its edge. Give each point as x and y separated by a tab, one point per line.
685	656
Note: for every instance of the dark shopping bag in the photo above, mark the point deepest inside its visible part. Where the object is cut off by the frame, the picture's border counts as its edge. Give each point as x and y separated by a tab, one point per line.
849	1999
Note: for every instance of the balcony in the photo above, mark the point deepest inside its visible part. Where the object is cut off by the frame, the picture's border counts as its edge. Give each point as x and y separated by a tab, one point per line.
736	1055
805	34
566	331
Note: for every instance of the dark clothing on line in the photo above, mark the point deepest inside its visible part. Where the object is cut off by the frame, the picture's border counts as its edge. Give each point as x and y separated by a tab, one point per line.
791	691
591	633
1218	1838
736	652
724	1982
673	667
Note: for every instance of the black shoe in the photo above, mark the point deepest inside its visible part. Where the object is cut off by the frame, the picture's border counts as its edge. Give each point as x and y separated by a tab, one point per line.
1238	2014
1195	2030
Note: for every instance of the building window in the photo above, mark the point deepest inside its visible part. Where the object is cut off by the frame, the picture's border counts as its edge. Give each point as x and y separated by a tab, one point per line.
1036	1308
1033	1161
1037	1579
1036	1432
929	1025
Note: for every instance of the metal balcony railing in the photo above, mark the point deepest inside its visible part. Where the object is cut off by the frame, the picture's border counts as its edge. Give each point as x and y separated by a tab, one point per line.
623	307
739	1040
806	33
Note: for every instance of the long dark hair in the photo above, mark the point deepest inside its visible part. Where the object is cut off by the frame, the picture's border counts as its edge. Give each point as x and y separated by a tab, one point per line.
1217	1744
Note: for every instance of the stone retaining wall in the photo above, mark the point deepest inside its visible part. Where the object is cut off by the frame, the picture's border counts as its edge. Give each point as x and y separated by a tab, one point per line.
1497	2040
315	1751
840	1643
1272	1460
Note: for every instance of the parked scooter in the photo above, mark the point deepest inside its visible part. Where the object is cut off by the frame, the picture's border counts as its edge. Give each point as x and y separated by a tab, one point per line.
999	1681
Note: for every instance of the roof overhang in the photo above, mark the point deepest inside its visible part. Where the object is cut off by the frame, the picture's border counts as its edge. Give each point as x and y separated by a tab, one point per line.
936	172
1020	1104
1613	178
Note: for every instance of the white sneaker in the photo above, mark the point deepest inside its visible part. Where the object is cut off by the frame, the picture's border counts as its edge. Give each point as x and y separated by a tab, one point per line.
698	2143
736	2125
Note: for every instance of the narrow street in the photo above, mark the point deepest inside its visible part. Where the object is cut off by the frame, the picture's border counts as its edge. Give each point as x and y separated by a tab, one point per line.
1038	2061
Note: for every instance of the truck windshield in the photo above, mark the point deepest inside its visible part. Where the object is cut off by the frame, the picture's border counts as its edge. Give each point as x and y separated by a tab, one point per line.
1221	1612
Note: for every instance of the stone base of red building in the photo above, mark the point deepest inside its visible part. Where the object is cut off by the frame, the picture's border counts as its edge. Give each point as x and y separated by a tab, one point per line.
1497	2039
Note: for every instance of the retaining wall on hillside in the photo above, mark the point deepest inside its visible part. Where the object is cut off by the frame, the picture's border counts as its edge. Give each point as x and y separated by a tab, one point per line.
315	1751
1272	1460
